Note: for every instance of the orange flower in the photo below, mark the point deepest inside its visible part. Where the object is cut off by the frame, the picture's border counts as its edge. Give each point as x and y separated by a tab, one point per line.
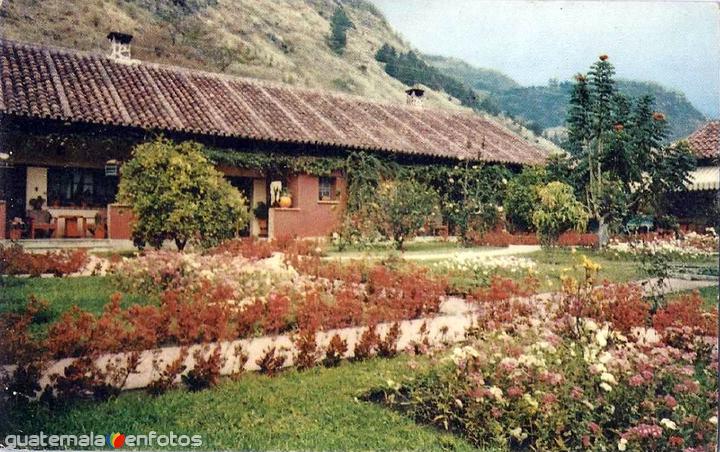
657	116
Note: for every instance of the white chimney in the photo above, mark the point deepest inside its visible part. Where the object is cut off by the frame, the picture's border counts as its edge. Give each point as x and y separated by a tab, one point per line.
415	95
120	46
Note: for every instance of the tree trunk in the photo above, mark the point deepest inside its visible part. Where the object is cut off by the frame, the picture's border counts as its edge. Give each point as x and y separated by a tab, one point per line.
180	243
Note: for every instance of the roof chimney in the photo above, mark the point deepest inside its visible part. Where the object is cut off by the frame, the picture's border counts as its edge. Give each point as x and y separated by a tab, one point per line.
119	45
415	95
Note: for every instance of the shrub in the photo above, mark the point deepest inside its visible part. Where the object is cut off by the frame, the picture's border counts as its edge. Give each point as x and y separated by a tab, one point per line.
387	347
307	349
271	362
335	351
339	25
366	346
206	371
557	212
521	197
177	194
404	207
15	261
168	374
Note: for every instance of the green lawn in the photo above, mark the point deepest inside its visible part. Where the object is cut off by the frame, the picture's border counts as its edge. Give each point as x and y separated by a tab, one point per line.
709	296
315	410
90	293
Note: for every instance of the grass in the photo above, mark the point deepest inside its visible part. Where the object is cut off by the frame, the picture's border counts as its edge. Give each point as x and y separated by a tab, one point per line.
314	410
709	296
90	293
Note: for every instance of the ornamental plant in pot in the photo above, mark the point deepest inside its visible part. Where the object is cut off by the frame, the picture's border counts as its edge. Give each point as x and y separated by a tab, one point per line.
99	232
261	213
285	199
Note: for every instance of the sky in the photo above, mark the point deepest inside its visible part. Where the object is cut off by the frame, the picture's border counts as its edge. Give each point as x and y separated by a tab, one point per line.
676	44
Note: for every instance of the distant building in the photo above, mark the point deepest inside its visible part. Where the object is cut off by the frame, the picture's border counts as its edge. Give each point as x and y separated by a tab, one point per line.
697	207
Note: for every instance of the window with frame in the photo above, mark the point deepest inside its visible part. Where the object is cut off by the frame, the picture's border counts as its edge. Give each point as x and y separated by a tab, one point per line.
79	187
326	190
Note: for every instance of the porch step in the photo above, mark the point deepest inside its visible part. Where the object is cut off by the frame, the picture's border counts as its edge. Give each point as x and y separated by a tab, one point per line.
40	245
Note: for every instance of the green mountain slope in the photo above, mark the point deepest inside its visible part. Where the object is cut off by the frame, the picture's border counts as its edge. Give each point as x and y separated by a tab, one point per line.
487	80
546	106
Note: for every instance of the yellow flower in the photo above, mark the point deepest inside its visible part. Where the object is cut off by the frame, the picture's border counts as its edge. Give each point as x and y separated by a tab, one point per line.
589	265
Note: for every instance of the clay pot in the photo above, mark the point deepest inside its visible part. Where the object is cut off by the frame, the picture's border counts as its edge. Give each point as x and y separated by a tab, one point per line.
285	202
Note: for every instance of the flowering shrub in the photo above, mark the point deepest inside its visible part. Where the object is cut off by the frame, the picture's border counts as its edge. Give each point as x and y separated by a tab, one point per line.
573	372
481	268
692	245
14	260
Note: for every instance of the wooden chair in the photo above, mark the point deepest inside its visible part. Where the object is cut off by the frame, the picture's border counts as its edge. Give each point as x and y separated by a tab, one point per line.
50	228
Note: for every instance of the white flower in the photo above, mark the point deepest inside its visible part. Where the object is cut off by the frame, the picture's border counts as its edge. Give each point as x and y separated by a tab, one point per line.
608	377
668	424
496	392
622	444
590	325
601	336
605	387
713	420
518	433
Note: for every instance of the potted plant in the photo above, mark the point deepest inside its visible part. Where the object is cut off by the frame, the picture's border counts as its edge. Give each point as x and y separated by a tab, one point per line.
285	199
99	232
261	213
16	228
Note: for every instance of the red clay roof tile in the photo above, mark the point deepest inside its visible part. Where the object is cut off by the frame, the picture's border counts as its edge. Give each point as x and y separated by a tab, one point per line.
705	141
46	82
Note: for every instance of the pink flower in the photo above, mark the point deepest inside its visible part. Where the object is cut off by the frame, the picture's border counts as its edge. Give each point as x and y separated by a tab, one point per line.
670	401
514	392
576	393
594	428
586	441
495	412
636	380
549	399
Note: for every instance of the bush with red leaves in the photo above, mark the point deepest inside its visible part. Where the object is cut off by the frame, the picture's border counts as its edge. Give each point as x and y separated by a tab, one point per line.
14	260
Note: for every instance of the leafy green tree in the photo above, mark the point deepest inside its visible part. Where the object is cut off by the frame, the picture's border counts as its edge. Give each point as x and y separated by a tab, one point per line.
405	206
522	197
558	211
340	23
617	157
177	194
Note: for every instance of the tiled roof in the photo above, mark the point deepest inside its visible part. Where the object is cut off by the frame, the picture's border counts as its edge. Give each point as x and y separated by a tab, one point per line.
705	141
48	82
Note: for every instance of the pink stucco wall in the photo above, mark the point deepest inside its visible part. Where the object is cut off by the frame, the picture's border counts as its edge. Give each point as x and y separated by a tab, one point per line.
308	216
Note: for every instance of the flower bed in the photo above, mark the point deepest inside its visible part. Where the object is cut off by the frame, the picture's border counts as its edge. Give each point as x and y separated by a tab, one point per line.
580	372
691	245
504	238
216	298
14	260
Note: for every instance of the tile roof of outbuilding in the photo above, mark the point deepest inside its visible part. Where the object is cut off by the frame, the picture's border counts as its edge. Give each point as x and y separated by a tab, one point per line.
705	141
47	82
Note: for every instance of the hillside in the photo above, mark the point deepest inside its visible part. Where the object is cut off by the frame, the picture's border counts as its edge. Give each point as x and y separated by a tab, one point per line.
483	80
267	39
544	107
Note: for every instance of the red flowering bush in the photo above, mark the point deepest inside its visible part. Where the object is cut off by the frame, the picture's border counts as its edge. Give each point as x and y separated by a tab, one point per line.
14	260
504	238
